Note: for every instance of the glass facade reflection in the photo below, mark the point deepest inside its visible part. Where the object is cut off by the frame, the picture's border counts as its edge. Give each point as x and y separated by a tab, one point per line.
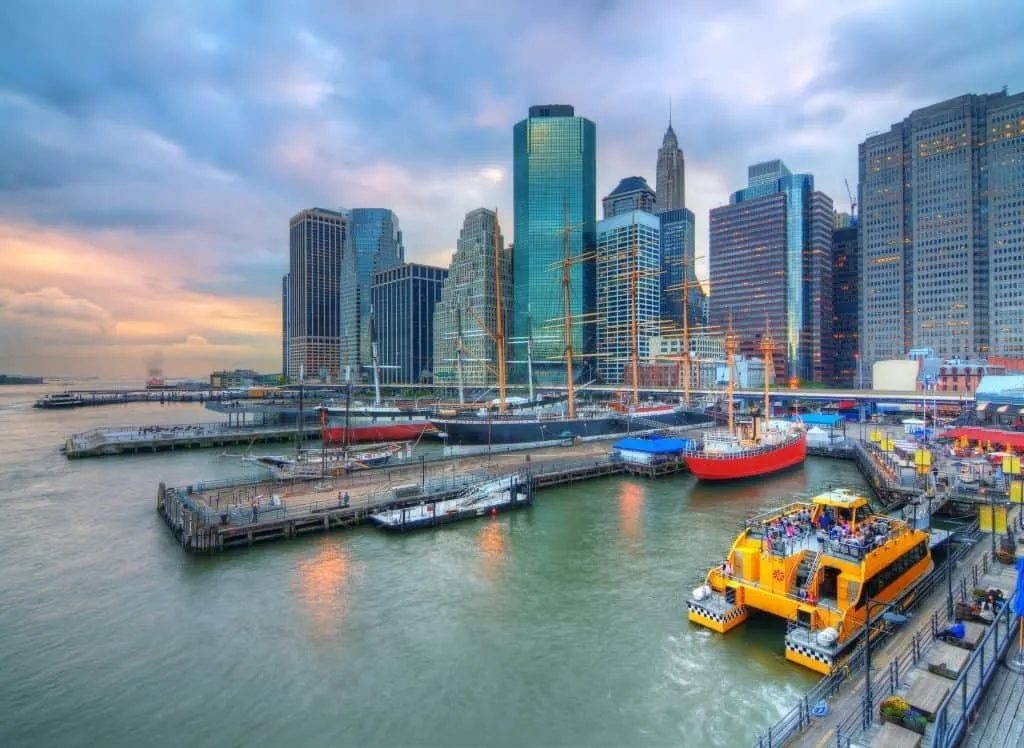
555	185
845	305
403	301
678	255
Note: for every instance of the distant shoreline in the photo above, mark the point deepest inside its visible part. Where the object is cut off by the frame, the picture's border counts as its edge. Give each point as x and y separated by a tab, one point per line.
18	379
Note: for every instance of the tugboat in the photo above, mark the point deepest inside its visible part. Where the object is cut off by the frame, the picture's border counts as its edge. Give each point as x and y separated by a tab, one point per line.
817	565
725	455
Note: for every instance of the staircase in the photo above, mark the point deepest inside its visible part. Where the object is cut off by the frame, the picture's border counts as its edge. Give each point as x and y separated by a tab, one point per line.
808	568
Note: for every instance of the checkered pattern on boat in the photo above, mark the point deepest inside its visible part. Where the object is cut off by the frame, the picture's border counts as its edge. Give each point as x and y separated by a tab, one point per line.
808	652
722	618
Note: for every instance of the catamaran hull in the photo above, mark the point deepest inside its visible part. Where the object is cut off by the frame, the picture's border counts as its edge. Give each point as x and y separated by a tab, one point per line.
460	432
379	432
760	462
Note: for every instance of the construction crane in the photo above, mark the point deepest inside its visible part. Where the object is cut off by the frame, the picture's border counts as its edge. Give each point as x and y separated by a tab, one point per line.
853	203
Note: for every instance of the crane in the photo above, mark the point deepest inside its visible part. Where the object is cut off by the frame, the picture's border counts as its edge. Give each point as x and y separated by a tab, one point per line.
853	203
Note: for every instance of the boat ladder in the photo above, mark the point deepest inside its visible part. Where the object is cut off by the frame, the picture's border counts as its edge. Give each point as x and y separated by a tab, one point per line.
811	571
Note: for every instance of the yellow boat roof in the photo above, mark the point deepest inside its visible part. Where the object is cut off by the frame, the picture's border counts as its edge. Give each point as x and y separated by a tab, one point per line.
841	498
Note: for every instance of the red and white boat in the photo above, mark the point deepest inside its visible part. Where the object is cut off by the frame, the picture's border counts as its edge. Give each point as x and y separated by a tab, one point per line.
725	457
373	423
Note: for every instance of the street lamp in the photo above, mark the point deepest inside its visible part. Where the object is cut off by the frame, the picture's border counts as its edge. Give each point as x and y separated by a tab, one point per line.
867	717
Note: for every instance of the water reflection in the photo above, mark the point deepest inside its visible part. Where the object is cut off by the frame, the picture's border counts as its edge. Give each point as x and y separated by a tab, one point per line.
322	584
492	543
631	506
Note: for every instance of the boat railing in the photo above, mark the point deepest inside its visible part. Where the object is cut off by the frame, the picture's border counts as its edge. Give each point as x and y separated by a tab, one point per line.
761	519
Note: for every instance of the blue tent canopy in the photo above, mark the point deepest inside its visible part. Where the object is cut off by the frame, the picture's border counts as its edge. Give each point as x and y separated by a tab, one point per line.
828	420
663	446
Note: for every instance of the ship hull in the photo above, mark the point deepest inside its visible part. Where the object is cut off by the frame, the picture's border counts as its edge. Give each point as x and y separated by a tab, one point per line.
465	431
375	432
748	465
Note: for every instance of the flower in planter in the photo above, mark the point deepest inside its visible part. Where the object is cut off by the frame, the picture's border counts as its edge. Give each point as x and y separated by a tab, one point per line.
894	707
914	720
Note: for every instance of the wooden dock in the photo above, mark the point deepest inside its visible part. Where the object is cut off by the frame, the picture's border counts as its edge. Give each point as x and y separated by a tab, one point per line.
119	440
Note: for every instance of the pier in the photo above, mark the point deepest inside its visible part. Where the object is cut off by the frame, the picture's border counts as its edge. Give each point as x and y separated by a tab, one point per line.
85	398
120	440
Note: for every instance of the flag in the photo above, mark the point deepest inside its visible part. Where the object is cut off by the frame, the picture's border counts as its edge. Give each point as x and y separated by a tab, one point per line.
1018	595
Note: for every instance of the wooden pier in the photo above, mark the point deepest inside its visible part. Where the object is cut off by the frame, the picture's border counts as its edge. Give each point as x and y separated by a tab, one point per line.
121	440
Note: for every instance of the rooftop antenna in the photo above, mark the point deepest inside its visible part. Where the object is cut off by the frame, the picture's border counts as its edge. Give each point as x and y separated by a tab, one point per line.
670	111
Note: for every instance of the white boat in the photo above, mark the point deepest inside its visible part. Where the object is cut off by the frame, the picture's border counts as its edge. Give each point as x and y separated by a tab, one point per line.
488	498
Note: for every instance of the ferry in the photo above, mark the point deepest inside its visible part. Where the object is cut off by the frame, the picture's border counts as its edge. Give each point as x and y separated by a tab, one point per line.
815	564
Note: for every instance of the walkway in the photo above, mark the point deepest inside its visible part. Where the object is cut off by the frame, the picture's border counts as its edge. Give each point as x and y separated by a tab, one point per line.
1000	721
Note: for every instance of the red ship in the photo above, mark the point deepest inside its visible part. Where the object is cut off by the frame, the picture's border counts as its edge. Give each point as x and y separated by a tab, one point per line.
372	424
725	458
779	445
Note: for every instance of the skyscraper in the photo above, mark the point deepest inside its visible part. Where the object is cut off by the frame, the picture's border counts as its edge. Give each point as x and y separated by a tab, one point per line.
555	188
318	239
286	323
845	303
626	243
678	233
632	193
470	285
771	259
671	173
402	300
941	245
376	245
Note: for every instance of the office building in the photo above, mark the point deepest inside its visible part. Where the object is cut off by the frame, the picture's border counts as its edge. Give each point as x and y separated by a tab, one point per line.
464	337
941	243
678	261
845	304
402	301
286	328
632	193
628	291
555	193
671	173
376	245
771	262
317	241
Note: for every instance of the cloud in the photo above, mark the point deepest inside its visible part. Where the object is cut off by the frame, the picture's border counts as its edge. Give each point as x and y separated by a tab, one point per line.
151	154
53	307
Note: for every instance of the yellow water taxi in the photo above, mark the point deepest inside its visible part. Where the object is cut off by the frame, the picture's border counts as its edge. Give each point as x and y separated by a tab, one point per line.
815	564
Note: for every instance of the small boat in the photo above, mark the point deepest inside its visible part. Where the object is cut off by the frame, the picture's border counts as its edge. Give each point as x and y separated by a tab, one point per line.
815	564
486	499
59	400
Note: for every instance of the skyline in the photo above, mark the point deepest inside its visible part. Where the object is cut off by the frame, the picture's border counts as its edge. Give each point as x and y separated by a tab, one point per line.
150	158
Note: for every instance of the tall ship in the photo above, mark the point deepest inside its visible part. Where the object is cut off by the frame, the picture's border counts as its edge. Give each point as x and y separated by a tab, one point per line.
816	564
767	447
562	421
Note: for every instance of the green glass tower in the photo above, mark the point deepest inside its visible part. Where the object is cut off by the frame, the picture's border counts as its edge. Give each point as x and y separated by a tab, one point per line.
555	186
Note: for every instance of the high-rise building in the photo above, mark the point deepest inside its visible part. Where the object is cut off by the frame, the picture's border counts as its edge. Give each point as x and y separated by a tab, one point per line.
678	261
555	194
941	244
318	239
845	304
632	193
286	326
627	244
671	173
402	303
376	245
470	285
771	261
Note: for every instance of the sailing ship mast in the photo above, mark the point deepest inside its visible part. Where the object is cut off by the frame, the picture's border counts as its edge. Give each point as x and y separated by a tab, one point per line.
684	358
570	391
458	356
499	328
732	344
767	350
529	349
373	360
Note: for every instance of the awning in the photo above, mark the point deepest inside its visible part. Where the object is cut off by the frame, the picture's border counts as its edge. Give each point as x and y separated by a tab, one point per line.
1010	439
1002	408
982	406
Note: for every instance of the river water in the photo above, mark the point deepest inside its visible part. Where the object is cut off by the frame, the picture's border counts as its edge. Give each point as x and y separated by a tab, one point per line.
560	625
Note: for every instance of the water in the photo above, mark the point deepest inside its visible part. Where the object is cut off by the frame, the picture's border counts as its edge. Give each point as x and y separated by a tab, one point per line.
563	624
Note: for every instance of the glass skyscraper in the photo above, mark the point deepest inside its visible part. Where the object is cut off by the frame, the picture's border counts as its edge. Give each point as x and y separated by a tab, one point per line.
554	188
678	252
771	258
403	300
376	245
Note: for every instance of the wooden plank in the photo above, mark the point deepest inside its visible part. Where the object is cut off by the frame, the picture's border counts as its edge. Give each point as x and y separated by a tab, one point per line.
973	633
894	736
927	692
947	660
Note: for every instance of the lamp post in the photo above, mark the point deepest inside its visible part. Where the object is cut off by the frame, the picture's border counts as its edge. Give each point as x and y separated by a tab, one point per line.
866	717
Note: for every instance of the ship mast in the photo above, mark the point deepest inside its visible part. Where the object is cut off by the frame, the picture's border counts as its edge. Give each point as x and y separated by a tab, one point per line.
634	335
529	349
684	358
767	350
374	362
568	309
732	344
458	355
499	331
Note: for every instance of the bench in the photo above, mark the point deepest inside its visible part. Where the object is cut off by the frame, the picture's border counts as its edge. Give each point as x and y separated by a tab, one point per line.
927	693
947	660
894	736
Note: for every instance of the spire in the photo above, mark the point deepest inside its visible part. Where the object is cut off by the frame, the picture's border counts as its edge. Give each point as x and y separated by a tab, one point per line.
669	112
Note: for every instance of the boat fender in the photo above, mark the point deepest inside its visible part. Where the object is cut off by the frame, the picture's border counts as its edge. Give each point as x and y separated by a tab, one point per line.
828	636
698	593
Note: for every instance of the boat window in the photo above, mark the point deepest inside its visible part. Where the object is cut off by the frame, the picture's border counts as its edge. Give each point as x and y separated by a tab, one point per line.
893	571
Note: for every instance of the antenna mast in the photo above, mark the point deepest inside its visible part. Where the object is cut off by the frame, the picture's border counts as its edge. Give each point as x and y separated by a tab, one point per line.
767	351
568	308
499	328
732	344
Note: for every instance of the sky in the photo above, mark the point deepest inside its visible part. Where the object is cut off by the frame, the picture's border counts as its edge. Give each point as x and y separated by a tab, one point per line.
151	154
